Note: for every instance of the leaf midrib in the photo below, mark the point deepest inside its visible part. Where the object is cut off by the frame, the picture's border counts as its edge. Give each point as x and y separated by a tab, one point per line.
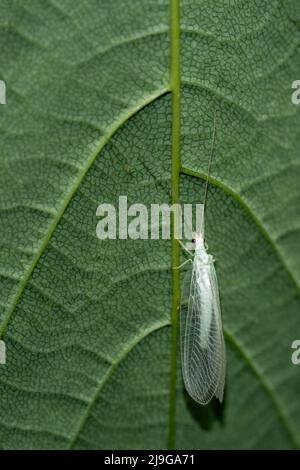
293	437
175	179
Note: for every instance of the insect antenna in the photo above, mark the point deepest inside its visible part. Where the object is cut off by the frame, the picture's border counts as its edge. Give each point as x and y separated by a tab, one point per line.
209	168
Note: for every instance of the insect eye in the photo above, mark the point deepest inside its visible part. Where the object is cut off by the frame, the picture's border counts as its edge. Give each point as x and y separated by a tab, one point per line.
193	241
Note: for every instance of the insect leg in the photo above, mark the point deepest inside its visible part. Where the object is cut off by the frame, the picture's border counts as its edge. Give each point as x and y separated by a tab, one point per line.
180	266
185	249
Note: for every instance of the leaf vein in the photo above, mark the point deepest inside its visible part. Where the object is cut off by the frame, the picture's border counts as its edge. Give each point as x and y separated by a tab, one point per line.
72	190
109	373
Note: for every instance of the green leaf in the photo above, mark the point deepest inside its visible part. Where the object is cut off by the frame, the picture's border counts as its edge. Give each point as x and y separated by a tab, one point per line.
93	112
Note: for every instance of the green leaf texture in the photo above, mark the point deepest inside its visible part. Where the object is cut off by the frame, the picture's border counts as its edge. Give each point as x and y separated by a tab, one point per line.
92	112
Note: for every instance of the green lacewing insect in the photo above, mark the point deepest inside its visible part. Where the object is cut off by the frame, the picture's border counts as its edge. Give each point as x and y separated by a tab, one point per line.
203	355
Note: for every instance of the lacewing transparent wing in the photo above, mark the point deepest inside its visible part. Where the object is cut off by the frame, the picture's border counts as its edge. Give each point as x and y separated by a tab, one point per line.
203	355
201	333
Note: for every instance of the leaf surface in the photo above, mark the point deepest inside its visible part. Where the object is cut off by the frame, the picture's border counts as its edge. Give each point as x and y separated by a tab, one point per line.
89	116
